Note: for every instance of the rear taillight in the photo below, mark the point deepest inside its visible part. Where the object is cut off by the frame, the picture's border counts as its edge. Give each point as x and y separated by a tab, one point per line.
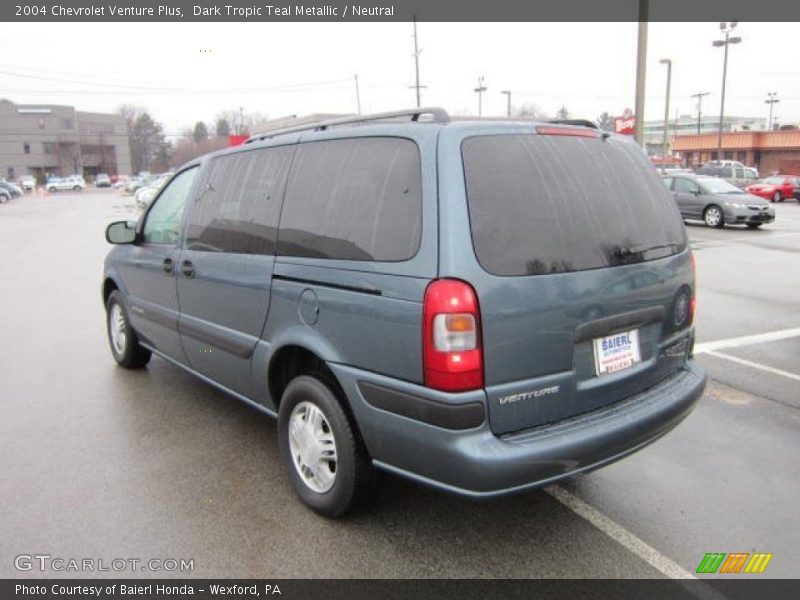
451	340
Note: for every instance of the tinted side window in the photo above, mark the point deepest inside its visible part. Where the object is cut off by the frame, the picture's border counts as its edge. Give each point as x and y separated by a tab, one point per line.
355	199
726	172
684	185
239	206
163	224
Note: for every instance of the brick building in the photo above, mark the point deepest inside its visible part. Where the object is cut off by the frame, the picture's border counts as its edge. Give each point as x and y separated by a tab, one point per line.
47	139
769	151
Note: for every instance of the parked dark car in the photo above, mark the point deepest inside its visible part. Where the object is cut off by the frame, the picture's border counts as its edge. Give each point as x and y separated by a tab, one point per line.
13	190
717	202
415	297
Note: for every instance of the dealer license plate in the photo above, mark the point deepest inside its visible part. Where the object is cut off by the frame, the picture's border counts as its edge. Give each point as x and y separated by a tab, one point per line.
616	352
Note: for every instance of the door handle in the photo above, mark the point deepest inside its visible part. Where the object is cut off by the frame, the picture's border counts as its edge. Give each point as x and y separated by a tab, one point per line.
187	268
167	265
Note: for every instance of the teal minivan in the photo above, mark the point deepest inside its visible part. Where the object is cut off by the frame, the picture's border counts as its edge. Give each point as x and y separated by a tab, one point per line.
483	306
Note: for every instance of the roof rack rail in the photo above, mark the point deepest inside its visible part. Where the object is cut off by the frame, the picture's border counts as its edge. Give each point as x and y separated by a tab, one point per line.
577	122
439	116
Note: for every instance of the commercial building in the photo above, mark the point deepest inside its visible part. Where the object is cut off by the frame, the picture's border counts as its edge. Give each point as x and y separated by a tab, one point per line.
769	151
45	139
688	124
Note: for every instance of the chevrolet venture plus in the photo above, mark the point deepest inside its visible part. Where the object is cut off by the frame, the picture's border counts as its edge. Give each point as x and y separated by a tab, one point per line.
483	307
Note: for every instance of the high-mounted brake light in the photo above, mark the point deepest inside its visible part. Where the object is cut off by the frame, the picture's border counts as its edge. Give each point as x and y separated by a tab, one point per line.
451	341
572	131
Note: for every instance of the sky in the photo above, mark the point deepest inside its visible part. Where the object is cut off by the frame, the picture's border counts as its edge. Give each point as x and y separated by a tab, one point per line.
185	72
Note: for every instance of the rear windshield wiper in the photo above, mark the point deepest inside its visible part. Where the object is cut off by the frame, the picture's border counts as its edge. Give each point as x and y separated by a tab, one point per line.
641	249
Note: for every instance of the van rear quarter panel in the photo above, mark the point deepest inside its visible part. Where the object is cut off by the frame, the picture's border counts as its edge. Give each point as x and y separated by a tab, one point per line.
361	313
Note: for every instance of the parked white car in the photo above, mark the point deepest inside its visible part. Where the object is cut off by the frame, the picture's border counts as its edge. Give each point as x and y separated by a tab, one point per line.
27	183
65	183
144	195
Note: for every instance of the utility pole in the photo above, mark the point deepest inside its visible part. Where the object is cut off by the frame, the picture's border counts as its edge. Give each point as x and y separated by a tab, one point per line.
726	28
480	89
508	95
772	98
416	54
641	70
699	97
358	94
668	62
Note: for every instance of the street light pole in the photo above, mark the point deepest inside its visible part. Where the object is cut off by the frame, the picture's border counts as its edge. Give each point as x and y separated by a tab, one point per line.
417	51
668	62
726	28
508	94
358	94
641	71
771	100
480	89
699	97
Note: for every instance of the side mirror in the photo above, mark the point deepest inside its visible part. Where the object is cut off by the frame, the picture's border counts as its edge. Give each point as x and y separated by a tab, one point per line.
121	232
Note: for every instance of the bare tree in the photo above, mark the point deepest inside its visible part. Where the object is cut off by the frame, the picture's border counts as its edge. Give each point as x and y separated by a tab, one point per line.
186	148
239	120
530	111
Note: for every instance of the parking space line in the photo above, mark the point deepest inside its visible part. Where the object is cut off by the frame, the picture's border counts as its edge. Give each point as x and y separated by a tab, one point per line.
619	534
754	365
747	340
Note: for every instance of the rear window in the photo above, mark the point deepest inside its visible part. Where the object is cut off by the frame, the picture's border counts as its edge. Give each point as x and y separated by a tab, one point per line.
552	204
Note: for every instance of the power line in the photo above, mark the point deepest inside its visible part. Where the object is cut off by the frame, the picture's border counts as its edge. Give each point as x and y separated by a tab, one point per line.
127	87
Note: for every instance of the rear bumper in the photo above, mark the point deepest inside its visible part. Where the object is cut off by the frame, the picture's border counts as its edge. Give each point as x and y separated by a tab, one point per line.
475	462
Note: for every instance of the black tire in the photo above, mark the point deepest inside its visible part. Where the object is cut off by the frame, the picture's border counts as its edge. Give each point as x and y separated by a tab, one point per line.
131	354
714	217
754	225
355	478
76	188
52	189
4	198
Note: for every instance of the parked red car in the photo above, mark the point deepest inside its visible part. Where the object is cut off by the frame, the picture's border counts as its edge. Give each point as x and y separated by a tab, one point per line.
776	188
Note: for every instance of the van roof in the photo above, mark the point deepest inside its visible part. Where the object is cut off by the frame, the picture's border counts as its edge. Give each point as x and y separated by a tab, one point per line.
427	116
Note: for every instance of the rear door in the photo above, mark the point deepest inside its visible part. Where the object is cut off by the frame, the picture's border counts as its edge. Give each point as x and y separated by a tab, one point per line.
583	256
225	270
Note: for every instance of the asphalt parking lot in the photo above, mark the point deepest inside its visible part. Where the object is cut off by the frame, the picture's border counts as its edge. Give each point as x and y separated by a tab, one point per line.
105	463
